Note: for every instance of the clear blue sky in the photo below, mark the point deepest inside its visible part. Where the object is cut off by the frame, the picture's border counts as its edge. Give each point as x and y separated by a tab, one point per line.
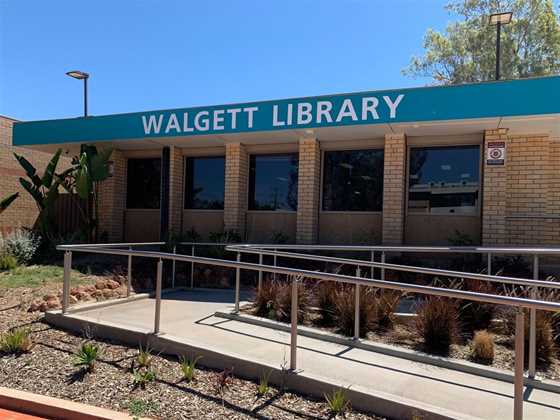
148	54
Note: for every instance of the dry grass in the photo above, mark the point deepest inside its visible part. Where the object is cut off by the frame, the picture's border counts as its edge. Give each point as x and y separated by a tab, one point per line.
437	322
482	347
274	300
344	310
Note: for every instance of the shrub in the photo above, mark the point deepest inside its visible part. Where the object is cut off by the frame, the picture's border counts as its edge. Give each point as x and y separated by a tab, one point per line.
279	238
337	401
476	315
545	344
223	380
345	309
283	301
22	244
16	341
482	348
7	262
86	356
325	295
437	323
188	367
386	302
143	377
265	297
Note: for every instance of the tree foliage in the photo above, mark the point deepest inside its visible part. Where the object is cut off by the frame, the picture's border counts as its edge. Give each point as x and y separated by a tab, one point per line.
466	51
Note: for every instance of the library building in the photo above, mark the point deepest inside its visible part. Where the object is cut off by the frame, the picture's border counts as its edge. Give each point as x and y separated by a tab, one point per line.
473	163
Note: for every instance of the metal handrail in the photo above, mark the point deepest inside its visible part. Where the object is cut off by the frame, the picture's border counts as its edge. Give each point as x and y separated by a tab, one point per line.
533	304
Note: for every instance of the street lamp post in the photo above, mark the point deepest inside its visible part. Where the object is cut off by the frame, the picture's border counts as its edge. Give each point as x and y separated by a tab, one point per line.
499	19
80	75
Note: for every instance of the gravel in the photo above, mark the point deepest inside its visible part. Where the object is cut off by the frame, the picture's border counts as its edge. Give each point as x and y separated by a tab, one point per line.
48	370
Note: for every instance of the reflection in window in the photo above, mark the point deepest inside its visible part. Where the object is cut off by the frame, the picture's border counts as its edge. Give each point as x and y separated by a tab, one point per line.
353	180
204	183
143	183
444	180
273	182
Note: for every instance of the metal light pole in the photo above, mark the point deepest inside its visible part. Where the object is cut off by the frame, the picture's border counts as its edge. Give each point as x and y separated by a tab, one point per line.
80	75
499	19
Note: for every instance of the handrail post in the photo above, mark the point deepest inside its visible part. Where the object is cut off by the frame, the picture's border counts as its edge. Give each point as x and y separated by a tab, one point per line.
372	267
129	274
383	262
237	283
357	307
489	264
173	274
66	284
274	264
533	323
260	271
293	329
192	267
518	378
158	296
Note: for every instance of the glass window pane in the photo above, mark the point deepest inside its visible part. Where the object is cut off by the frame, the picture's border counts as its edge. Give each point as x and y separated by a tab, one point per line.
204	186
273	182
353	180
143	183
444	180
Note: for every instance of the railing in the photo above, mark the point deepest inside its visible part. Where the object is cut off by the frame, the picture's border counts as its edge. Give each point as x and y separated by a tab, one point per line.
532	304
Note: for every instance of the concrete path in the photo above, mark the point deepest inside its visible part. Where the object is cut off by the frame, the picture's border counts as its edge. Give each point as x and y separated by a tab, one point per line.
189	315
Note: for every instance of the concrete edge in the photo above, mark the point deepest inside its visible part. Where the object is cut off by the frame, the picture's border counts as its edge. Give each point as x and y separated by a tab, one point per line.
386	405
416	356
56	408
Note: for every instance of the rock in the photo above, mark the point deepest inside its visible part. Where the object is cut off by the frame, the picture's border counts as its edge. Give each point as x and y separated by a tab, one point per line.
34	307
72	299
52	303
90	288
112	284
108	293
49	297
101	284
43	307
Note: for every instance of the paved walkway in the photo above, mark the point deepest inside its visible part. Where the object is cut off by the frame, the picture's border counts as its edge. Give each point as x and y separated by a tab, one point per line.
12	415
189	315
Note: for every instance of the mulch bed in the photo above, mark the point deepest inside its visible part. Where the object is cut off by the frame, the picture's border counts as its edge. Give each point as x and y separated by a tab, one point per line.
48	370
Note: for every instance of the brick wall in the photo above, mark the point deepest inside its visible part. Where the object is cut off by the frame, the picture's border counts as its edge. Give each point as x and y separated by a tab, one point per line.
176	170
394	176
236	183
23	212
112	200
309	184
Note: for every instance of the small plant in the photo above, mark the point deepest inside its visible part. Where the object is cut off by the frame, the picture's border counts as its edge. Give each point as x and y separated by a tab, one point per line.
22	244
263	388
86	356
279	238
223	380
140	408
16	341
144	357
7	262
337	401
482	348
143	377
188	367
437	323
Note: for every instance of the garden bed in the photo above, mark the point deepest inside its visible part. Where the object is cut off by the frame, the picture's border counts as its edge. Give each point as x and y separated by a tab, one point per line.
48	370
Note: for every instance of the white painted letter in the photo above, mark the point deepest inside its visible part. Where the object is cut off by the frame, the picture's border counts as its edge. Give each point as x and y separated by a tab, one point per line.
186	128
346	110
234	112
275	121
393	105
205	122
218	119
369	105
304	113
289	115
249	112
152	123
324	108
172	124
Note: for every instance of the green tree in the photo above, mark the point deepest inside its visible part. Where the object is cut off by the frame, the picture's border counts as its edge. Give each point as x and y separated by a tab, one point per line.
466	52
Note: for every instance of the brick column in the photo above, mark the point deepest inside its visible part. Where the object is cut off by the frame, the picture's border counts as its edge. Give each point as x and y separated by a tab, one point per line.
236	184
309	182
176	171
112	200
394	181
494	194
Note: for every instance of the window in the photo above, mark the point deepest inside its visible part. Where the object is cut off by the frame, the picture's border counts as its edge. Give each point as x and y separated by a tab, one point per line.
204	186
273	182
143	183
353	180
444	180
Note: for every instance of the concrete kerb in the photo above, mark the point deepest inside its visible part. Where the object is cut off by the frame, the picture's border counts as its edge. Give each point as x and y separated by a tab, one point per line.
443	362
390	406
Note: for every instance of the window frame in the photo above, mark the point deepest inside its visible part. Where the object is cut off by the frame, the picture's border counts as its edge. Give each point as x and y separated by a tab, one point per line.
203	156
296	153
126	194
322	175
477	212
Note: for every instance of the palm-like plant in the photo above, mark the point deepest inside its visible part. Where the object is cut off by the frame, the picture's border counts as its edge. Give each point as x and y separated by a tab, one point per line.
5	202
44	189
